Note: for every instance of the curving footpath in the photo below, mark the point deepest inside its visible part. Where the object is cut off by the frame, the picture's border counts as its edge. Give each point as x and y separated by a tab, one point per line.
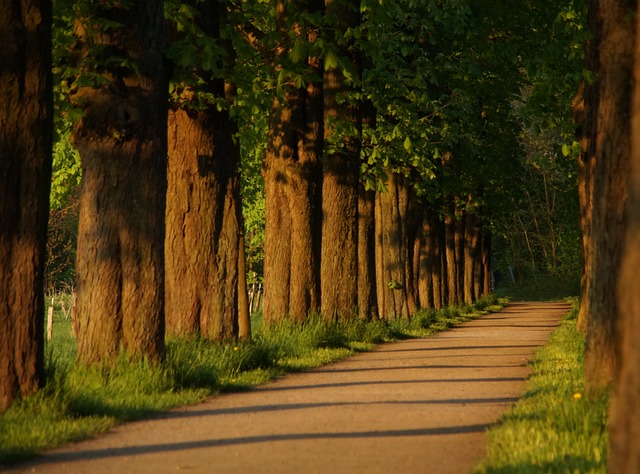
416	406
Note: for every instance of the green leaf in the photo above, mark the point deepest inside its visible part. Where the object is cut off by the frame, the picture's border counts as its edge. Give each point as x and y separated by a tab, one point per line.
331	60
407	144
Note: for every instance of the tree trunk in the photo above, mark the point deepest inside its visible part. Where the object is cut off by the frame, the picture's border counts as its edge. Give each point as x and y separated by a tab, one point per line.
471	257
425	284
340	173
121	139
26	134
624	419
487	284
391	253
413	221
292	180
610	148
367	299
450	258
205	279
204	226
584	115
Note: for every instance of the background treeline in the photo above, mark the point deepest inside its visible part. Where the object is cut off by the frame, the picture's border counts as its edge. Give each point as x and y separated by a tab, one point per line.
360	159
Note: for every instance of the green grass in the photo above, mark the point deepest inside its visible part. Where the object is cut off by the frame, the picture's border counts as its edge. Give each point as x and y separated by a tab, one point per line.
78	403
554	428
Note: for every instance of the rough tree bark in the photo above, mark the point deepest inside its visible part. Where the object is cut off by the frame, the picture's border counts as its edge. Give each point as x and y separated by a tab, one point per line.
391	249
624	456
204	227
610	148
451	263
471	257
25	174
340	173
367	298
292	179
121	139
205	283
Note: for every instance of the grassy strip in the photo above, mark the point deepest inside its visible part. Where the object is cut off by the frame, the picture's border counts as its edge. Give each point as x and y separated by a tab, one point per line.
554	428
77	403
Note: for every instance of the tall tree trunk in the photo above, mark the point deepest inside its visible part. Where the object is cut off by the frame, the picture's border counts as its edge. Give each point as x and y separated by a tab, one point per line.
450	258
204	226
459	252
121	139
425	284
340	173
471	256
205	280
391	251
413	243
610	148
487	284
584	115
367	299
624	456
292	180
25	175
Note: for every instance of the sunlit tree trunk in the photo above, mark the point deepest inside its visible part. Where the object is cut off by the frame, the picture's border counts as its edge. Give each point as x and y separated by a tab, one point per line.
450	258
121	139
205	280
292	179
204	227
391	249
25	172
340	173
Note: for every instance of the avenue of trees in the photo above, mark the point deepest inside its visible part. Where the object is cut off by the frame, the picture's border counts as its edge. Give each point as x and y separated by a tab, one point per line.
361	158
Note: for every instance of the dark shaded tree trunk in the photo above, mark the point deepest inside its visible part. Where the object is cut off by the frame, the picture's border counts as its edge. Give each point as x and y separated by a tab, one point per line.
487	284
624	419
585	119
205	280
367	298
121	139
26	134
413	244
292	173
610	148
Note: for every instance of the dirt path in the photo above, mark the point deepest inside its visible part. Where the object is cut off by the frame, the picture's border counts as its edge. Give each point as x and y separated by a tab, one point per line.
417	406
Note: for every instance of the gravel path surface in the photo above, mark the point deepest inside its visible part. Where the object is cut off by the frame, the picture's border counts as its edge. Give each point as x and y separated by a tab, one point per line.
416	406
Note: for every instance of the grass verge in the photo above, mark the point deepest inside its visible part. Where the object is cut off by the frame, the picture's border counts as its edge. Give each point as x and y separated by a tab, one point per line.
554	428
78	403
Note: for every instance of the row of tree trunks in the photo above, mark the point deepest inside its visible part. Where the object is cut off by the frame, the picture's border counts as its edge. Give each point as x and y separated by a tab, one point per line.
25	174
330	246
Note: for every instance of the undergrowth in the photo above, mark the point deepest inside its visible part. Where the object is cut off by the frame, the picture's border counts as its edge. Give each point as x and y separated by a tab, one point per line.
79	402
554	428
